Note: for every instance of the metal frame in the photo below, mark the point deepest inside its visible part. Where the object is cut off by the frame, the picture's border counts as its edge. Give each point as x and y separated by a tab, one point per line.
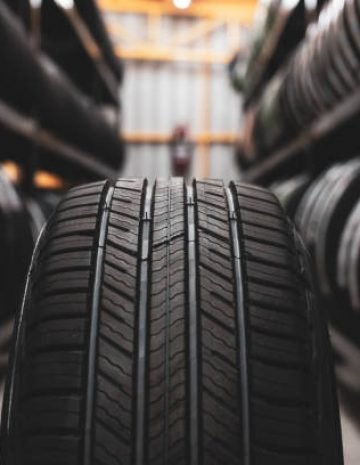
27	127
233	10
211	16
87	40
332	138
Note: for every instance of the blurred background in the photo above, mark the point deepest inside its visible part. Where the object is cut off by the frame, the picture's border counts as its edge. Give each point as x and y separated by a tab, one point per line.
263	91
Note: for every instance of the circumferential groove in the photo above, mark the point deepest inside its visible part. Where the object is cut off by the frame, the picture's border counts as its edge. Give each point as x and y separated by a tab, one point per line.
193	328
145	249
167	324
241	324
7	413
94	323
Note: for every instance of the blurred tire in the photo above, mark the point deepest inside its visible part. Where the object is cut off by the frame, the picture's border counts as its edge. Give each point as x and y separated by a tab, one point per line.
290	192
16	245
322	216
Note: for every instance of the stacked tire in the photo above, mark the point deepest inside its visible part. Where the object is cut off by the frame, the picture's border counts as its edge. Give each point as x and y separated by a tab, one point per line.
39	208
321	74
348	272
327	214
170	324
21	220
16	246
290	192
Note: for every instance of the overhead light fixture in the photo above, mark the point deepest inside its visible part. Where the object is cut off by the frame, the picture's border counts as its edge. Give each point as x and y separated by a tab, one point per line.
311	4
182	4
66	4
36	3
289	4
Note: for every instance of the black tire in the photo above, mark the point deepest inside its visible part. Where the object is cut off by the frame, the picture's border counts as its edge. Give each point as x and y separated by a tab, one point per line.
322	217
348	259
291	191
16	246
48	201
36	217
170	325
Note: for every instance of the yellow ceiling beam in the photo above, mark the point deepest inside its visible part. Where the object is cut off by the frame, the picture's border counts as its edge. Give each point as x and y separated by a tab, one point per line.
241	11
170	54
121	32
194	33
199	31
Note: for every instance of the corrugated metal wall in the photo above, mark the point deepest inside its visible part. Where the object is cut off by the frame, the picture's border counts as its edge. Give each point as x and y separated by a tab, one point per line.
157	96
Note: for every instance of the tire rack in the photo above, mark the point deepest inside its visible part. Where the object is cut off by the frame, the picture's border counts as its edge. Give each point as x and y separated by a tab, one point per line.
273	53
333	137
24	130
29	129
85	21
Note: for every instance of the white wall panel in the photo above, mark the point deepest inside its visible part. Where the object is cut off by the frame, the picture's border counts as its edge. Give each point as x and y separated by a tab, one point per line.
158	96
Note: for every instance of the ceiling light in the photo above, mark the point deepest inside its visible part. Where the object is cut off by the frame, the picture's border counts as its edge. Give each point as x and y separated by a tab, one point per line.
36	3
66	4
182	4
311	4
289	4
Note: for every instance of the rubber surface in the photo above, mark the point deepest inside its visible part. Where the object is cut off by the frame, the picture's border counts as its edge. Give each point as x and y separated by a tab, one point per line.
16	244
168	325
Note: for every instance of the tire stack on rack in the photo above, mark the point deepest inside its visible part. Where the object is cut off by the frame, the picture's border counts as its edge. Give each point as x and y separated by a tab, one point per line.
50	117
275	21
280	28
327	213
44	115
321	74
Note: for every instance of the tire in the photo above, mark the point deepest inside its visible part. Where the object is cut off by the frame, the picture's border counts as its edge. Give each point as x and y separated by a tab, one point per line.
36	217
48	201
169	324
311	200
16	246
348	260
39	208
323	218
291	191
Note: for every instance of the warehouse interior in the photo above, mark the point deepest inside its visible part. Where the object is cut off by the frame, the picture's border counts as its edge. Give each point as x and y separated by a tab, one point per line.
180	232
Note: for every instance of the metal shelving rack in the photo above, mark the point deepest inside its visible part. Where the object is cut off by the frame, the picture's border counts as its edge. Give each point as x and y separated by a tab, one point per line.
29	129
277	47
20	121
96	48
331	138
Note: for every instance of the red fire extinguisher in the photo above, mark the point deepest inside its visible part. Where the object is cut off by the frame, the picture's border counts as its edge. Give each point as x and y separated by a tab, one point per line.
181	150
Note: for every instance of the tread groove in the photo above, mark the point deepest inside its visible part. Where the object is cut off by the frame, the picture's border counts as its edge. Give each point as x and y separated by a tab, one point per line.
193	326
94	324
241	322
145	256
